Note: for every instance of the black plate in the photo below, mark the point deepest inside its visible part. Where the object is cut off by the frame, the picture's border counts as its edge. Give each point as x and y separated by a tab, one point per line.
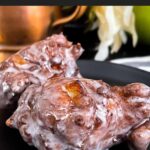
110	73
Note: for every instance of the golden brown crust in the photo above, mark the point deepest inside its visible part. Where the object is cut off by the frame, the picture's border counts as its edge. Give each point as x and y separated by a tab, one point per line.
80	114
54	56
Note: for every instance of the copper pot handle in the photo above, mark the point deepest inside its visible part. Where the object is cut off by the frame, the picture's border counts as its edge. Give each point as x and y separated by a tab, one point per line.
79	11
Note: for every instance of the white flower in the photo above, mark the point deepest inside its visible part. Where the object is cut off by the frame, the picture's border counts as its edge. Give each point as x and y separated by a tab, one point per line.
113	22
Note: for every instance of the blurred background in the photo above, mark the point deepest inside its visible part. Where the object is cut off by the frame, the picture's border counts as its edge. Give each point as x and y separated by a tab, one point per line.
120	34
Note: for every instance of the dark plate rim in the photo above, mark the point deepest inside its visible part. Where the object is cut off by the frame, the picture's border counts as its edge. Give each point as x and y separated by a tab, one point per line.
114	64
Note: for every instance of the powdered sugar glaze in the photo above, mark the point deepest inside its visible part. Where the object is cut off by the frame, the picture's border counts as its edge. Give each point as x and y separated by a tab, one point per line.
81	114
54	56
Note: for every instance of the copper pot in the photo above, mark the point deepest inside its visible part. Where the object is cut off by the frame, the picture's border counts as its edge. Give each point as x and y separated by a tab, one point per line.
23	25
